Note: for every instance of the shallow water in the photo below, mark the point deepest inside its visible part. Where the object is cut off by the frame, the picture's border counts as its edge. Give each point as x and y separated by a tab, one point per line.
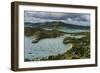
73	30
70	30
44	48
49	46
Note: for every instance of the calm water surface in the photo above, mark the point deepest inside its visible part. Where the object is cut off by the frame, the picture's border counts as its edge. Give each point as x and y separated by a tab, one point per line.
47	47
44	48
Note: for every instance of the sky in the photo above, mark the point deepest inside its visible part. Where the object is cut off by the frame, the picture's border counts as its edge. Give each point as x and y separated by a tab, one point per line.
72	18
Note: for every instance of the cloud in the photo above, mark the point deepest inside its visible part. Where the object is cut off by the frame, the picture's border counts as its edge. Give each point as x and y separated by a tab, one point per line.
40	16
69	19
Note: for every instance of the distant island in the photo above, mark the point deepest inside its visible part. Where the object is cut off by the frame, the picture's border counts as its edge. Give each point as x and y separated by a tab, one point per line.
55	24
80	45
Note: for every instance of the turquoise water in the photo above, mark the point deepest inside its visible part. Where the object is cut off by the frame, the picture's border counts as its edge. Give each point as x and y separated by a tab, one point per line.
48	47
73	30
70	30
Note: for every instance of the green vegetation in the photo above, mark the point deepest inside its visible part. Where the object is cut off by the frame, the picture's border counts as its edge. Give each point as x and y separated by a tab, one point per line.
26	60
80	49
30	31
40	33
